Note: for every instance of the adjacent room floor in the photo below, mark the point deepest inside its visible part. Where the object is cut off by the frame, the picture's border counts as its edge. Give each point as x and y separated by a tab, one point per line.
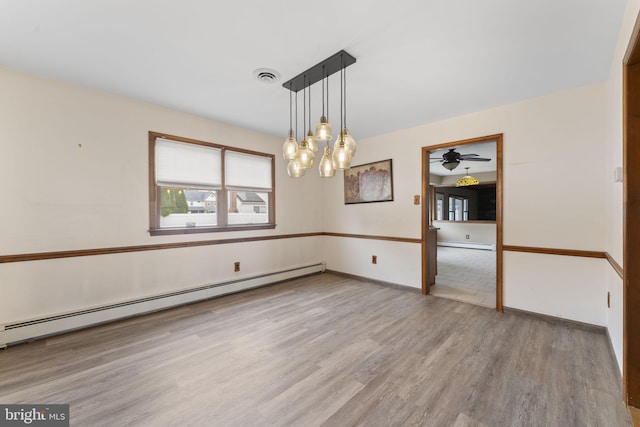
323	350
467	275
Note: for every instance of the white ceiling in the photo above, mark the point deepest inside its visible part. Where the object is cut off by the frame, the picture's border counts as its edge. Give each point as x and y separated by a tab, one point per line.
418	61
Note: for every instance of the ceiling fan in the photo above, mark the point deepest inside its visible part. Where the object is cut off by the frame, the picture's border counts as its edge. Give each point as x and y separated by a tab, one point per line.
451	159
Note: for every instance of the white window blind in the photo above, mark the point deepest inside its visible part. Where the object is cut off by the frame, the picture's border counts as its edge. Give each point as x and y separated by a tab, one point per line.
178	164
247	171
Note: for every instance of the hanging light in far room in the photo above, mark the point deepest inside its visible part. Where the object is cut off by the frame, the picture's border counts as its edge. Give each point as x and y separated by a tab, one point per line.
344	147
467	180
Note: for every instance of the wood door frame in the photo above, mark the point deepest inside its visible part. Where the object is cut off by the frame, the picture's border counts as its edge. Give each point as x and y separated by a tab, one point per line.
631	228
426	207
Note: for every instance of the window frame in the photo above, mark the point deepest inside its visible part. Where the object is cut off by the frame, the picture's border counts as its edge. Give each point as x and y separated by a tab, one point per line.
221	195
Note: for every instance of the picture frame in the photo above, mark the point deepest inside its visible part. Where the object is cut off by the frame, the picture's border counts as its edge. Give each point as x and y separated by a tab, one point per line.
369	183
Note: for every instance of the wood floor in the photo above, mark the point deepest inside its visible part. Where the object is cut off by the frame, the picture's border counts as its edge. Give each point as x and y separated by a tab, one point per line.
322	350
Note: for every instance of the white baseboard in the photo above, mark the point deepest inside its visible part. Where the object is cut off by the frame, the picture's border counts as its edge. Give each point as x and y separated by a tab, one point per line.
18	332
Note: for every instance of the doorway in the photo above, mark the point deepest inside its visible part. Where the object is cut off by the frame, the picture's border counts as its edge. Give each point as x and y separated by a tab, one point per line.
462	208
631	232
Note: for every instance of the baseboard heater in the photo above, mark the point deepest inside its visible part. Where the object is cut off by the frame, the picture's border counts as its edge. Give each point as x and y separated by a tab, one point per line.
484	246
15	333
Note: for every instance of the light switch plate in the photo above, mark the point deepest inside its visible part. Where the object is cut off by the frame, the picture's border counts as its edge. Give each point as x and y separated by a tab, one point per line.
618	175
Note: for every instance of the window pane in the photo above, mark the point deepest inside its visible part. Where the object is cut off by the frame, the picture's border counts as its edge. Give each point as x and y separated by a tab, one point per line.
181	207
190	165
439	206
465	209
247	207
452	215
244	170
458	209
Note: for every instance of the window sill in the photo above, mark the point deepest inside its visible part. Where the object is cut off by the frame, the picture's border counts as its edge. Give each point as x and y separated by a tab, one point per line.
197	230
475	221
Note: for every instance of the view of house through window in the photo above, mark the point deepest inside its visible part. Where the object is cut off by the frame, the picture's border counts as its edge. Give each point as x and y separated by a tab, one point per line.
247	207
192	194
187	207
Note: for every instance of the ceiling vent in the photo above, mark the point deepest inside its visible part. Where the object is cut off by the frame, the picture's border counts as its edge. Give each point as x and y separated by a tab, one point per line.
266	75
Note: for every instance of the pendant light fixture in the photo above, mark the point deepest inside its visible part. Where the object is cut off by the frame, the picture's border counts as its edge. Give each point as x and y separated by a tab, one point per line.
294	168
326	163
290	146
348	139
323	129
301	155
311	140
467	180
341	153
305	154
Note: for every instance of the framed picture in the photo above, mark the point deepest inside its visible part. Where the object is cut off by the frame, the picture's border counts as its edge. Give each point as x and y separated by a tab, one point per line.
372	182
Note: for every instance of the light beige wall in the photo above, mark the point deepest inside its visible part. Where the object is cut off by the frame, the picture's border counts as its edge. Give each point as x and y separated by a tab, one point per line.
614	190
74	168
553	157
457	231
483	177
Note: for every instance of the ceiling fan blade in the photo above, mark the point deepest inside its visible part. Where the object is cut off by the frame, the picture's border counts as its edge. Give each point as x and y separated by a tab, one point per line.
462	156
435	160
477	159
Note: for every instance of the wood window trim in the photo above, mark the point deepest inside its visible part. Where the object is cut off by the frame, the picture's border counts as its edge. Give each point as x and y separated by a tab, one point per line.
223	226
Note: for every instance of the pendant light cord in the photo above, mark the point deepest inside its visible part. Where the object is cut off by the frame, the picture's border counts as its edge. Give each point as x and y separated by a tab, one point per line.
344	70
304	106
290	109
309	108
341	95
327	98
323	76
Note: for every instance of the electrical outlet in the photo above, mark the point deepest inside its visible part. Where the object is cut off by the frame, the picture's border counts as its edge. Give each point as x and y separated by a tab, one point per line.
466	237
416	200
374	259
236	266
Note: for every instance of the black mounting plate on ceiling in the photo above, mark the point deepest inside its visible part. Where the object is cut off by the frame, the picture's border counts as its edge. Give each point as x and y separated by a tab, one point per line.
333	64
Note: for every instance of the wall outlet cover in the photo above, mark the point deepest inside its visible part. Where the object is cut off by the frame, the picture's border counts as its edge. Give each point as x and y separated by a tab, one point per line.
618	174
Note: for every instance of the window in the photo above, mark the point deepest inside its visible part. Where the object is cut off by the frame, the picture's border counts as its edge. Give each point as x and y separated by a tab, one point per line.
473	203
439	206
458	208
199	187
